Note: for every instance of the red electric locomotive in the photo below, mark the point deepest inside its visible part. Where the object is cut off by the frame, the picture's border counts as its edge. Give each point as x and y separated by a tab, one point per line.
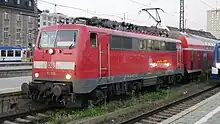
76	63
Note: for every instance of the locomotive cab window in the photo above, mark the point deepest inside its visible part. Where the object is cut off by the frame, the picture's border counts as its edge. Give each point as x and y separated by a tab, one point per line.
60	38
93	39
47	39
66	38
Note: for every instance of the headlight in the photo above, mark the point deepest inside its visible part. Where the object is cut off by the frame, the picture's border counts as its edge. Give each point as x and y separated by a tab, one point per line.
68	76
36	75
51	51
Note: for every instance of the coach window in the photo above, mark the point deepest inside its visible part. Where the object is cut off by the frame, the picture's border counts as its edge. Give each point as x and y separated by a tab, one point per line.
10	53
3	53
149	44
156	45
162	45
93	39
116	42
142	45
17	53
127	43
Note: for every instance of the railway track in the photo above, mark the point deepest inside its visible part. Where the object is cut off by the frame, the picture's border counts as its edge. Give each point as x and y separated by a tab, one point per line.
6	73
162	113
10	64
15	69
17	109
32	118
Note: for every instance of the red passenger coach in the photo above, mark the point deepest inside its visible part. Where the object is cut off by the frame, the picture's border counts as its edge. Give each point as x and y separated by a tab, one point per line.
74	63
197	52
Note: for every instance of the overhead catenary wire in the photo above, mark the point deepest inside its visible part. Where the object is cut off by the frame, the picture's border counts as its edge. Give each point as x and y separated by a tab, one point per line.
93	12
139	3
206	4
84	10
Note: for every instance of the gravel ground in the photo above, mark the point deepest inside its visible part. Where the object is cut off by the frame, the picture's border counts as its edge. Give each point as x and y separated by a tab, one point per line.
118	116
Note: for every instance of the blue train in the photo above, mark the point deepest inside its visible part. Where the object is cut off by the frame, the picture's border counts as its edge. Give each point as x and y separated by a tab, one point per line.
13	54
216	62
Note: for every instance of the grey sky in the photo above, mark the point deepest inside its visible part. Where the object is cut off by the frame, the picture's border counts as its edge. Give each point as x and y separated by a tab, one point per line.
195	10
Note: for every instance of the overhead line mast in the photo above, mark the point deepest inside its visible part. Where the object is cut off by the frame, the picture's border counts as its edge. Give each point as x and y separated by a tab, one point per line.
181	21
36	17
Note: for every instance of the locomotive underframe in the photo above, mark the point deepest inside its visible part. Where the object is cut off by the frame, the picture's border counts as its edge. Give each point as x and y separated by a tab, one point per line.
62	93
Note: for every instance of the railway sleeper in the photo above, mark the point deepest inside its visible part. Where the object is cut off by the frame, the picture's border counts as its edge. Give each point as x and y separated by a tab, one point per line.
154	119
178	108
165	114
144	121
170	112
181	106
160	116
34	118
174	110
9	122
138	123
20	120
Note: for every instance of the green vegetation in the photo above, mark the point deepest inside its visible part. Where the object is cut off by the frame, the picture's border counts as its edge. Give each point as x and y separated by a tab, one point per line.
62	117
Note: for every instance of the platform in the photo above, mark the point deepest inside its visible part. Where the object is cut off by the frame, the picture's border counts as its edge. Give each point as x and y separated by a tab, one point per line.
8	85
205	112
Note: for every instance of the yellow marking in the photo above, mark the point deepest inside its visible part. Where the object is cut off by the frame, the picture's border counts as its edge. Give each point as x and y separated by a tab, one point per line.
193	108
162	61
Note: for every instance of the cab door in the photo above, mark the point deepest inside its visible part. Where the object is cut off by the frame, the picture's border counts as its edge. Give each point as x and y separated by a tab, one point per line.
104	57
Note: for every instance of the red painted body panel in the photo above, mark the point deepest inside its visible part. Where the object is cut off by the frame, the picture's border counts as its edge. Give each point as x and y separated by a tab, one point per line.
87	58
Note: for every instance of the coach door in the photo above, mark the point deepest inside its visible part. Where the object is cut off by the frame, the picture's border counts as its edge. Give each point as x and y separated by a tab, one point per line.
179	56
104	58
205	61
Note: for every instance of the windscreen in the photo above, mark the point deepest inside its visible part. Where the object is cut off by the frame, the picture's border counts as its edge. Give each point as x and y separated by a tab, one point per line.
66	38
47	39
60	38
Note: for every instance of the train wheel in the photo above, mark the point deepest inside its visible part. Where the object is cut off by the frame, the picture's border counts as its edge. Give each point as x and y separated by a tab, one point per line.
98	97
179	78
138	88
172	80
110	94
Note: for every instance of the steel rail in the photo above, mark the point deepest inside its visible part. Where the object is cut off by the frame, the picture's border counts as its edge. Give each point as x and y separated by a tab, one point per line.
151	113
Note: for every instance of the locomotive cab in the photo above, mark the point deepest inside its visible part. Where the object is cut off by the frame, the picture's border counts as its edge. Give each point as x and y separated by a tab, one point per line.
54	62
54	57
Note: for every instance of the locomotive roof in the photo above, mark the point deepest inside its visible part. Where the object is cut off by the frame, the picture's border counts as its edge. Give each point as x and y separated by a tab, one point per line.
109	31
